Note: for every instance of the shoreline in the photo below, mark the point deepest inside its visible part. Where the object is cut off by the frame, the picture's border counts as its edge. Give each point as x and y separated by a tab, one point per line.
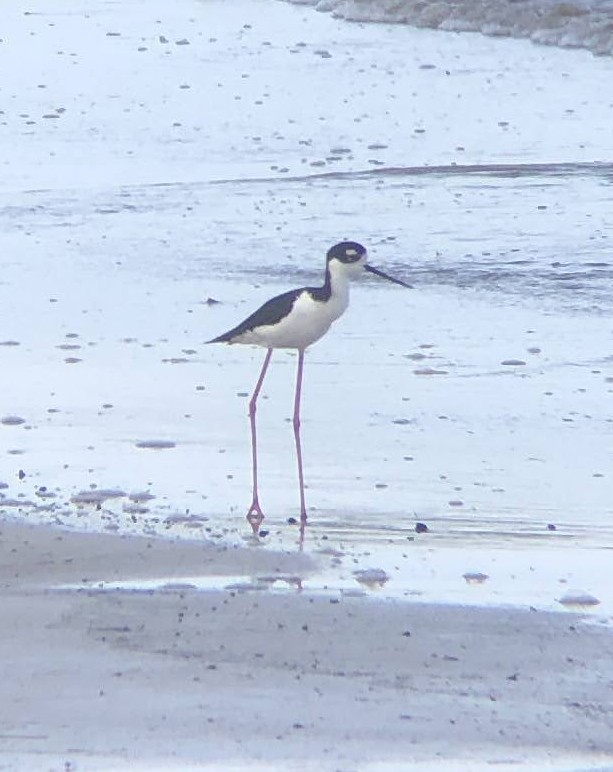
539	22
122	679
88	556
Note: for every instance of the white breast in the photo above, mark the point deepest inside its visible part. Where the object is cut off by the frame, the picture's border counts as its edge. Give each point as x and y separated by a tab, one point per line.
308	320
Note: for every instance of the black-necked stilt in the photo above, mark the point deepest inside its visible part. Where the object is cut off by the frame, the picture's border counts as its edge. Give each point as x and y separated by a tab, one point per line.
296	319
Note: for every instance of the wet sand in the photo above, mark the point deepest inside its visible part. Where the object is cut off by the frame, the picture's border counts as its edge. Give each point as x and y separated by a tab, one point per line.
96	679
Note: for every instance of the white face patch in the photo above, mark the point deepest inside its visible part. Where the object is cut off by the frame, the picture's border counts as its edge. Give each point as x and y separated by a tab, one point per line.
350	252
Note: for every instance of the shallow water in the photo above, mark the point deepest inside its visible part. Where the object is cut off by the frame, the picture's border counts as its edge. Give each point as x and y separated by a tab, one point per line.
533	234
462	562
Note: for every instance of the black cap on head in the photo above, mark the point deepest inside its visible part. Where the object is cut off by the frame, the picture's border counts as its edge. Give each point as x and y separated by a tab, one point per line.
346	252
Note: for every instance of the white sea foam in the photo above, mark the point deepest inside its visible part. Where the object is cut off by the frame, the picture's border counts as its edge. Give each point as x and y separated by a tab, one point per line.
564	23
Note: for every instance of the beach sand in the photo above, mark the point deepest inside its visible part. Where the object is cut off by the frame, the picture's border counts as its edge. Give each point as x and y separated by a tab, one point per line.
96	679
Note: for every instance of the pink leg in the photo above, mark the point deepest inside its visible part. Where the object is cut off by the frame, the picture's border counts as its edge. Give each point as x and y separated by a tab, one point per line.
255	514
303	514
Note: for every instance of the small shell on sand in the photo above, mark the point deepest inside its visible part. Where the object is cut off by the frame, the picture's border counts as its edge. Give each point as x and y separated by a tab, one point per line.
97	496
472	577
578	599
140	496
12	420
429	371
156	444
371	577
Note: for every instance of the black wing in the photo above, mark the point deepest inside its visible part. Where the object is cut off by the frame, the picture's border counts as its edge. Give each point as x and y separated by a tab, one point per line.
270	313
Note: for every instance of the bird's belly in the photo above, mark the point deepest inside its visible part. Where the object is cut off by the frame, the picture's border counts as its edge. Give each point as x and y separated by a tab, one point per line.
307	322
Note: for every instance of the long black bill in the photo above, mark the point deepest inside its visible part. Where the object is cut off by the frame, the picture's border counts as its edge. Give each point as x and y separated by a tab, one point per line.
377	272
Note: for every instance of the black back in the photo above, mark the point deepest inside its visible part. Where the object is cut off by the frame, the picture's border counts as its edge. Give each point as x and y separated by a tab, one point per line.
270	313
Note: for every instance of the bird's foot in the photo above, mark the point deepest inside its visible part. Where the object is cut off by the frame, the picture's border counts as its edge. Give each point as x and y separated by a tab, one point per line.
255	516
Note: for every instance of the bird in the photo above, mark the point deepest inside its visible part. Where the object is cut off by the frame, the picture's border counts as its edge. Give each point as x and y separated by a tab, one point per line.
295	320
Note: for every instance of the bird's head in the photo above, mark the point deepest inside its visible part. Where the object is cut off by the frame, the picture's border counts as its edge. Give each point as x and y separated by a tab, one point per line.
347	257
350	259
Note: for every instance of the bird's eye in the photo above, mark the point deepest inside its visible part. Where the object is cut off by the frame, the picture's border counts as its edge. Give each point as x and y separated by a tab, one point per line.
352	255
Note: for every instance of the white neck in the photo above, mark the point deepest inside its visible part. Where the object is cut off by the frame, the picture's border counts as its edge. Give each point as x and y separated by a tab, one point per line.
340	279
